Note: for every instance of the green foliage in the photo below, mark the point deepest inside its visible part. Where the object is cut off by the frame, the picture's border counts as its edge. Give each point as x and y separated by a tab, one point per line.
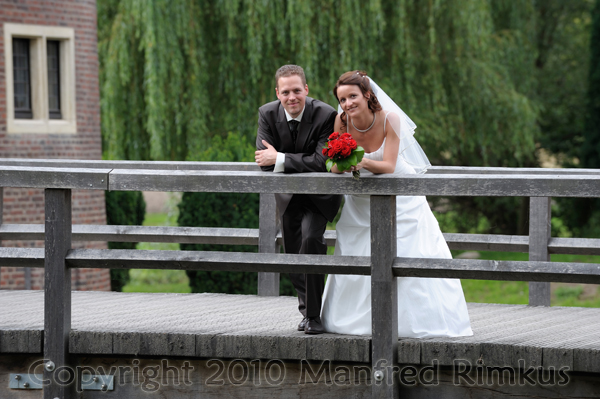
582	215
152	75
345	163
454	222
563	293
590	157
164	63
562	65
457	85
542	45
559	229
590	154
481	215
485	81
126	208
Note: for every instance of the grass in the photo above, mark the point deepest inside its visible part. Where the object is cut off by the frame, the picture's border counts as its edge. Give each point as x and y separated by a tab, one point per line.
150	280
482	291
156	219
517	292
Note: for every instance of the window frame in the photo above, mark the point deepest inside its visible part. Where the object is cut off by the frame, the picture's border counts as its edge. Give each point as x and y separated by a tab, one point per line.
41	122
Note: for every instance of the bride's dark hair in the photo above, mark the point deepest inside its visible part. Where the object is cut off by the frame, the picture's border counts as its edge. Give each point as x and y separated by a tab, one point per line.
360	79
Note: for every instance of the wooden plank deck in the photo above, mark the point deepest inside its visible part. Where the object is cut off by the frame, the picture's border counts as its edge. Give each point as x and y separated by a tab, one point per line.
248	326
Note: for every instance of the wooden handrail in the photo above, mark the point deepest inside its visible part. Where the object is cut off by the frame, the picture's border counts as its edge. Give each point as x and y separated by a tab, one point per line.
234	236
531	185
59	177
565	272
251	166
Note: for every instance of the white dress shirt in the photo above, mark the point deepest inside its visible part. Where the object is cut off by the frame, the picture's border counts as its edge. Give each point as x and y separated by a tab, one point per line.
279	163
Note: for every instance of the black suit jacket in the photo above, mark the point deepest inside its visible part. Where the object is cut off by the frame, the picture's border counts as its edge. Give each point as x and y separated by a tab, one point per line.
306	156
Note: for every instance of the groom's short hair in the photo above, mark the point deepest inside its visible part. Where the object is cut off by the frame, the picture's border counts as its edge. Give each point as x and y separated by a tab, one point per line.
289	70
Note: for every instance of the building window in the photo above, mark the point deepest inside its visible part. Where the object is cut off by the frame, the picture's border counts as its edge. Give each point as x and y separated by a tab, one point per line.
21	77
40	79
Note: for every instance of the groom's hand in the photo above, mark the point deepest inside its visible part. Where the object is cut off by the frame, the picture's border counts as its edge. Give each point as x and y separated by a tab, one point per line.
266	157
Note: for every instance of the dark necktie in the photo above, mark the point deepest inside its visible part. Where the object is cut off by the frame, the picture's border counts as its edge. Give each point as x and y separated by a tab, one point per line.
293	125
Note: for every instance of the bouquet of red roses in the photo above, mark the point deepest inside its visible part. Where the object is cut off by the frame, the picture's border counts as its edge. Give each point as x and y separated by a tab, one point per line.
342	150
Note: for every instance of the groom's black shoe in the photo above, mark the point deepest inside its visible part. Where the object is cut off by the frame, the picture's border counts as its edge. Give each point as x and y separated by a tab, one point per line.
314	326
302	324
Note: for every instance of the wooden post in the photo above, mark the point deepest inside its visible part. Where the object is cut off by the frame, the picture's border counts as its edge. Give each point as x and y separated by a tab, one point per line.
268	283
539	235
26	272
384	297
27	278
57	297
1	220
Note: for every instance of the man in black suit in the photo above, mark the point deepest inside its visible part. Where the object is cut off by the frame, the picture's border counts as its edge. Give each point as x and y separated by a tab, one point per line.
292	132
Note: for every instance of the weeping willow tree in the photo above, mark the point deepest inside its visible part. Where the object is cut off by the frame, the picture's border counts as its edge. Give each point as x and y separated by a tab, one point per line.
153	78
175	73
584	213
590	154
562	66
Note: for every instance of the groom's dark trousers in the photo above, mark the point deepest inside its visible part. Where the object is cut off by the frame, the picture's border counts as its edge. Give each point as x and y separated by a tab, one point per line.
303	217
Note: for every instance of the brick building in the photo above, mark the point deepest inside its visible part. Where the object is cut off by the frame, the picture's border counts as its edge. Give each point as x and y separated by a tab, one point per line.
50	108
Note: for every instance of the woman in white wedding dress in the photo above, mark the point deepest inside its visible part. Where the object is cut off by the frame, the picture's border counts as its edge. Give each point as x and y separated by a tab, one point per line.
427	307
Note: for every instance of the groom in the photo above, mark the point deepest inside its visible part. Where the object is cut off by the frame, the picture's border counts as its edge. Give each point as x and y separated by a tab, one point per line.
291	134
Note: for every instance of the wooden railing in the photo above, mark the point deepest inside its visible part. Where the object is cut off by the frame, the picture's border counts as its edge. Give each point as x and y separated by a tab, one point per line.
59	177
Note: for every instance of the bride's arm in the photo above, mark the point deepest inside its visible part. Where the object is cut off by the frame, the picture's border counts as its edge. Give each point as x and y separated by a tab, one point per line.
390	152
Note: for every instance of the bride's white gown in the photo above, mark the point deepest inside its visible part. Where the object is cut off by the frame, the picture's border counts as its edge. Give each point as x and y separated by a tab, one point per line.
427	307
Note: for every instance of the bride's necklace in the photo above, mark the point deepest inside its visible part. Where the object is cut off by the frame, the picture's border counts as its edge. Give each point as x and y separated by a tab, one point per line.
367	129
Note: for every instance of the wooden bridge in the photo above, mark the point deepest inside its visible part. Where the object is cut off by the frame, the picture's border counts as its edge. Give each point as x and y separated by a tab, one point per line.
94	344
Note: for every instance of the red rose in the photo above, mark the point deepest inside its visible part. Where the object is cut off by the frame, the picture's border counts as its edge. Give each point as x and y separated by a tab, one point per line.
346	151
346	136
334	136
335	146
338	146
352	144
324	151
341	148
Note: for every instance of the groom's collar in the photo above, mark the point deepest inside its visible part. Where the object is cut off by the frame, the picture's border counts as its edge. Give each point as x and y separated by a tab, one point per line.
288	117
306	112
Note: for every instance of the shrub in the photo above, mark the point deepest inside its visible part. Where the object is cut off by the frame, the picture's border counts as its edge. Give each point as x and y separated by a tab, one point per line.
123	208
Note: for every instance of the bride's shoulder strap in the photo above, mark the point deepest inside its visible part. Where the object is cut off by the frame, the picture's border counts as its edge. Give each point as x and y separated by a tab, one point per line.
385	119
387	113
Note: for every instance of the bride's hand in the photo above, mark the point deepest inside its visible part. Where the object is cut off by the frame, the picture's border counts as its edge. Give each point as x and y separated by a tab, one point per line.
334	169
359	166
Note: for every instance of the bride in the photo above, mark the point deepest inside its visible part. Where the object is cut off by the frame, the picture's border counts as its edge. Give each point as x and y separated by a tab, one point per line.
427	307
